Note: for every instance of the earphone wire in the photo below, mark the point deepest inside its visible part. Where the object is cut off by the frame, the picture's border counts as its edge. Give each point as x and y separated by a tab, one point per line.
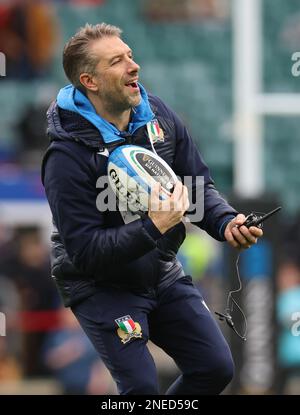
230	298
152	145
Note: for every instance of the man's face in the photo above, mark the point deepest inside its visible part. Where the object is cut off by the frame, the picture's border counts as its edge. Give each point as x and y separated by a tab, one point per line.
116	74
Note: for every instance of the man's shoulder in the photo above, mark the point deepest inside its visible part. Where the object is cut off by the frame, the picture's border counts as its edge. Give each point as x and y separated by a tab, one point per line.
70	155
166	115
158	105
70	127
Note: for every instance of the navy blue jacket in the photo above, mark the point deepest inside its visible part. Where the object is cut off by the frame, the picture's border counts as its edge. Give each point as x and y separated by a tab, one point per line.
90	248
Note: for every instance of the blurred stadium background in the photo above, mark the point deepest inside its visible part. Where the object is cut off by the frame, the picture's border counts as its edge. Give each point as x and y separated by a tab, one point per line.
226	67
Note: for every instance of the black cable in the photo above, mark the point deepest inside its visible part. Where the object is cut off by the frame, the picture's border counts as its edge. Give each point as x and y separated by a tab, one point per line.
230	304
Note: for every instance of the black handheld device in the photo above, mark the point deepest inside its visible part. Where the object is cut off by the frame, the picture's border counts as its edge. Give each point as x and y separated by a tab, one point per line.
255	219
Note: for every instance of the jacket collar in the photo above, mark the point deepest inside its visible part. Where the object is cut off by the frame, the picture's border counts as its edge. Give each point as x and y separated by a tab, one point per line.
71	99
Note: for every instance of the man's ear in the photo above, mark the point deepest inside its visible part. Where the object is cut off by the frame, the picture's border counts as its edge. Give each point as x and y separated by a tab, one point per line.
87	80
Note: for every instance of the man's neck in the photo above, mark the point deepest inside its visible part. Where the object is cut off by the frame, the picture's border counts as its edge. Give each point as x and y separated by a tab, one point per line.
118	118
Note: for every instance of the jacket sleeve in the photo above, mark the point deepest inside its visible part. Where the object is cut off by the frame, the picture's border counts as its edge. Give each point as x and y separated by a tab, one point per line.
215	211
71	192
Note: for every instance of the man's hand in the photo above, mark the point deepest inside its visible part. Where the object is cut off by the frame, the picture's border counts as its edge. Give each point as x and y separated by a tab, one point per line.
240	236
167	213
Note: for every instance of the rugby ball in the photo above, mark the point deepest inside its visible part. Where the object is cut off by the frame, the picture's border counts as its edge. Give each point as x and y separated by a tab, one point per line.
132	171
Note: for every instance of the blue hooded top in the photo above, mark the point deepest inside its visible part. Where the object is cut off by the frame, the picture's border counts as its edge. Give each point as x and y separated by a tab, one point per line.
71	99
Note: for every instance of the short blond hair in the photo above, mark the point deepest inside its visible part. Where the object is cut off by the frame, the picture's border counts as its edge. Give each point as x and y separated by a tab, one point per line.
77	57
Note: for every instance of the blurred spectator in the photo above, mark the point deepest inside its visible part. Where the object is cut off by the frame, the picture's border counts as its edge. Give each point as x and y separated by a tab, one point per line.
84	2
31	129
187	10
288	304
27	37
10	305
5	236
27	266
197	253
10	369
71	358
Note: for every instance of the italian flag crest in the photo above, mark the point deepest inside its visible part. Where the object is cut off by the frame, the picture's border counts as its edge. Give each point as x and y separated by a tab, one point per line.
128	329
155	132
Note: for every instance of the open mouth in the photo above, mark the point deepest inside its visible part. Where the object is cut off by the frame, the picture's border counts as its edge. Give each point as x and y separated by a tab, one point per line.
132	85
